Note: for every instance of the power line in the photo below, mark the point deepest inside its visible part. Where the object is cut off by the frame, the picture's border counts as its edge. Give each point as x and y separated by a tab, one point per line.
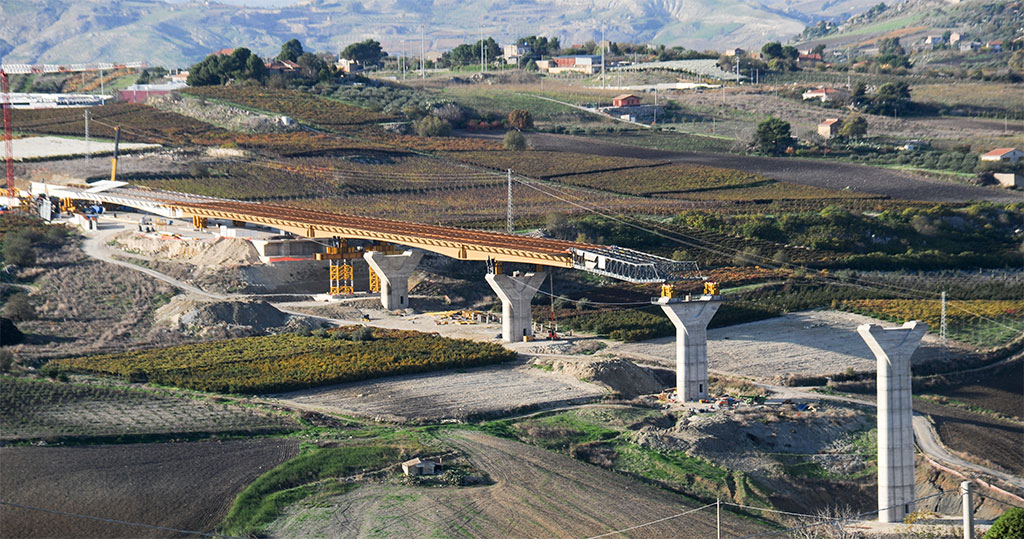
111	520
825	521
652	522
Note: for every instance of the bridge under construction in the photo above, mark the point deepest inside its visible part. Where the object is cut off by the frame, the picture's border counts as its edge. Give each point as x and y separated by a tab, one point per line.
393	248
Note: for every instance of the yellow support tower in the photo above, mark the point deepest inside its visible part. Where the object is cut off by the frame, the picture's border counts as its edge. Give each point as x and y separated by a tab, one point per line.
374	281
199	223
711	289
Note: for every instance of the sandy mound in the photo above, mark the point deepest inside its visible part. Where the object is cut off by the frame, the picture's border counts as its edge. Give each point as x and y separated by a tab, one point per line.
232	318
744	439
619	375
216	252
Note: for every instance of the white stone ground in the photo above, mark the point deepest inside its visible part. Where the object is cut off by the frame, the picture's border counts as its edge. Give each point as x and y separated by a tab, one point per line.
35	147
806	343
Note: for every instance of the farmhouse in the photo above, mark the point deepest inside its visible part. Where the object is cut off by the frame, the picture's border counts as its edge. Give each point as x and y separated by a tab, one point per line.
826	95
515	51
625	100
586	63
734	52
286	68
1009	179
139	93
348	66
809	59
418	466
829	128
1004	155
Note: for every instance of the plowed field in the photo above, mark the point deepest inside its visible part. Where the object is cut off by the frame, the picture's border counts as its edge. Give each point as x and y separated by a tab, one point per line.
178	485
536	493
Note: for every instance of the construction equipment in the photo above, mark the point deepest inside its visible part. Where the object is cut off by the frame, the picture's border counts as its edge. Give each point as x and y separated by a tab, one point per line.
113	160
24	69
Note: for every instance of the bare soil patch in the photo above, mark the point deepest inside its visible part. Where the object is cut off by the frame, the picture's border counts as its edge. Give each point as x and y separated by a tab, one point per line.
449	395
536	493
1000	389
977	437
808	343
179	485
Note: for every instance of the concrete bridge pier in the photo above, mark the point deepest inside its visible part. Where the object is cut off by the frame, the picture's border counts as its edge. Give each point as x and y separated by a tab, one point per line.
691	318
394	272
516	291
892	348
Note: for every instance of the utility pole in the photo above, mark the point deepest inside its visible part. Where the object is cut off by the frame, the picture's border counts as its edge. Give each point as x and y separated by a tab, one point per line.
88	150
102	90
942	324
603	80
718	513
508	225
968	508
655	105
423	61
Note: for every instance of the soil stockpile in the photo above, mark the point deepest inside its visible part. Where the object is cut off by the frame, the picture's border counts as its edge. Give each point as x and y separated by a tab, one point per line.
216	252
621	376
242	317
187	486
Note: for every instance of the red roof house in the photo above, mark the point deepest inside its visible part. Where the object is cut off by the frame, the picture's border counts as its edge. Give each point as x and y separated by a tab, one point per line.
625	100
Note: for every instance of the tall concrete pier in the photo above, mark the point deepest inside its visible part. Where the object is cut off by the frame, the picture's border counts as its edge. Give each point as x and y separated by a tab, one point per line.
691	316
893	348
516	291
394	272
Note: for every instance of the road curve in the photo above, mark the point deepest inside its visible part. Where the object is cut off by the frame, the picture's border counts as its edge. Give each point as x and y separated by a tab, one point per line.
813	172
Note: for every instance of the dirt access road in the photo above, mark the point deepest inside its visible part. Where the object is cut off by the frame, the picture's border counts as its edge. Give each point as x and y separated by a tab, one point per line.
814	172
536	493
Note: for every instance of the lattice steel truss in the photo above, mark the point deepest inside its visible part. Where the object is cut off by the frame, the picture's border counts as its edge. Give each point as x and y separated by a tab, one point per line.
634	266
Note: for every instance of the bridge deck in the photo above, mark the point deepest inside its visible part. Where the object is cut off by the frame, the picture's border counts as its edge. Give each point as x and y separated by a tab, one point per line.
459	243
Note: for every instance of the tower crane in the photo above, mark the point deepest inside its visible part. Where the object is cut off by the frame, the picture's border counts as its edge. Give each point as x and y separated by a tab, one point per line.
5	88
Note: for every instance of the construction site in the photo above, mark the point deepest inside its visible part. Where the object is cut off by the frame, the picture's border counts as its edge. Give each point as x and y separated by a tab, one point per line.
574	387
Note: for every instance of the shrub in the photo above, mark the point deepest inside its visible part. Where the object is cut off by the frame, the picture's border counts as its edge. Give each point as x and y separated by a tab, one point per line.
18	250
19	308
514	140
6	360
520	119
1009	525
432	126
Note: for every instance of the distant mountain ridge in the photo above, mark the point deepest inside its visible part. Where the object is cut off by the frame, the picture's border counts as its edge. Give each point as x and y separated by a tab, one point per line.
179	34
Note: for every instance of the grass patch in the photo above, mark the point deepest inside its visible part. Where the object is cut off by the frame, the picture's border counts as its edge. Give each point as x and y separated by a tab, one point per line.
314	472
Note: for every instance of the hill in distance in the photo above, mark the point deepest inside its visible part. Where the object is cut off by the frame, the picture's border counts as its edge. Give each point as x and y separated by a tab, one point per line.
180	33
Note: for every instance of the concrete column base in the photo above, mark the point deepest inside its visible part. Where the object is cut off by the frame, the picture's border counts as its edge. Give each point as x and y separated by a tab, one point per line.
893	348
516	291
394	272
691	318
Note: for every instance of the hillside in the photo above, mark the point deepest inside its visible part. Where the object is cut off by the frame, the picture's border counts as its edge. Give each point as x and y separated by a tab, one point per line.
912	21
179	34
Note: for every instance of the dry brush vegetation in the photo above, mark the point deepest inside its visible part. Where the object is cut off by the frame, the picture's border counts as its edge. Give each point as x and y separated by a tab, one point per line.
288	361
